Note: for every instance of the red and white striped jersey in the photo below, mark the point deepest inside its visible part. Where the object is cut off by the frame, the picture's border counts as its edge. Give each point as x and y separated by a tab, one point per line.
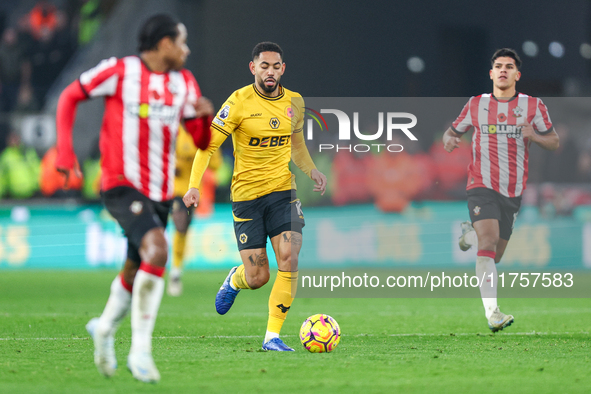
499	152
140	123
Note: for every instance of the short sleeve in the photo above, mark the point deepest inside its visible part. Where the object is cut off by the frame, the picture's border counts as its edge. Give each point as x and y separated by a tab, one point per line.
463	122
229	116
102	79
297	110
193	93
541	121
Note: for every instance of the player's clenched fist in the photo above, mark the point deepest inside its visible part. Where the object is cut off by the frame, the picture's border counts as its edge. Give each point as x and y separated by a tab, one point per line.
191	197
203	107
450	143
527	130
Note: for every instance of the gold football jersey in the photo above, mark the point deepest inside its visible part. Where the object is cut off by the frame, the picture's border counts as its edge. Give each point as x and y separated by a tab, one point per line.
261	128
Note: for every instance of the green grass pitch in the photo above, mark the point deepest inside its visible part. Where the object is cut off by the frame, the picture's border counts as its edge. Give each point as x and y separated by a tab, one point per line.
388	345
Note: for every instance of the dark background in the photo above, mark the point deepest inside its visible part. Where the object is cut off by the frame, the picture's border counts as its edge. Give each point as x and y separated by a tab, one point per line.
354	49
336	48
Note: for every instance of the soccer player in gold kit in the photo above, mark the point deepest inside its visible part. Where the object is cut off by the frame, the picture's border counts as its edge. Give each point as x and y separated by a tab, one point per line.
266	123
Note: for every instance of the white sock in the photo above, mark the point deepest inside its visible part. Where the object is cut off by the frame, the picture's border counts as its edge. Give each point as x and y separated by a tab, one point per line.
270	335
470	238
145	302
116	309
488	290
175	272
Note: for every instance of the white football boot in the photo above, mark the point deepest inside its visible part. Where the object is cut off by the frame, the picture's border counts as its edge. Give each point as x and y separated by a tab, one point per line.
142	367
498	320
104	348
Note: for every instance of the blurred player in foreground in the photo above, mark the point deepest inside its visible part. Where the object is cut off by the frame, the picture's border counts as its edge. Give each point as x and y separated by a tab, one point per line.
266	123
505	124
181	215
146	97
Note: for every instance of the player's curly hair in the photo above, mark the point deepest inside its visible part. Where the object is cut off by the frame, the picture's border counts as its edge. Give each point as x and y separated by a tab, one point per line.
155	29
506	52
266	46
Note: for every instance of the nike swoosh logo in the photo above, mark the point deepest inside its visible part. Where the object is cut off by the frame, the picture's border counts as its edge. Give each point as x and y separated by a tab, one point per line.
237	219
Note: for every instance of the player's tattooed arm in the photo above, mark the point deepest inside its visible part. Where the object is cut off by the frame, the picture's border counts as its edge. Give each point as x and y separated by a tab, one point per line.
258	259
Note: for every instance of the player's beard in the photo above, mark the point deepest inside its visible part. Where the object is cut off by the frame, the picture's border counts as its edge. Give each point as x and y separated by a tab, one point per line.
177	65
268	89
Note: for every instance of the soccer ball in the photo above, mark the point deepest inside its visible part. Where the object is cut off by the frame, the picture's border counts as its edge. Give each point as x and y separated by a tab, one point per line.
320	333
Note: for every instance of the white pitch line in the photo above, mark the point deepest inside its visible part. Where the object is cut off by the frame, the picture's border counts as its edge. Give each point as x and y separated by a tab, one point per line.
485	334
532	333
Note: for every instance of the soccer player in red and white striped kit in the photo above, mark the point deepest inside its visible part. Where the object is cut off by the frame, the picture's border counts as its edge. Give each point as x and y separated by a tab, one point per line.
146	97
505	124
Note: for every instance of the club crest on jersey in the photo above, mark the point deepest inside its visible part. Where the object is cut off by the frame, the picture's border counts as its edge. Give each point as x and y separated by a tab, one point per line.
274	123
476	210
243	238
224	112
136	207
517	112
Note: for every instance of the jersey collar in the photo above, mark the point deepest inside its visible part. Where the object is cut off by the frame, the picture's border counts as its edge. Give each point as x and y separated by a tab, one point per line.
280	96
506	101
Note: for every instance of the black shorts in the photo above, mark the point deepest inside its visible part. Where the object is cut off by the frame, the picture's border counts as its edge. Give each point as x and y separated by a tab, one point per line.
485	203
136	214
179	205
266	216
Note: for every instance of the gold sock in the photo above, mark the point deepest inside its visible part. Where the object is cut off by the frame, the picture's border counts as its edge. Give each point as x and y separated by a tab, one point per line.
239	278
280	300
178	249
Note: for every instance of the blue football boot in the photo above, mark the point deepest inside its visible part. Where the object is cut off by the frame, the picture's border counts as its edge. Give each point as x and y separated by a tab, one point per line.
226	295
277	345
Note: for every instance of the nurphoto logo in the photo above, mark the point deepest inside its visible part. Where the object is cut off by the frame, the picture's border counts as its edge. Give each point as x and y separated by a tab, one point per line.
386	121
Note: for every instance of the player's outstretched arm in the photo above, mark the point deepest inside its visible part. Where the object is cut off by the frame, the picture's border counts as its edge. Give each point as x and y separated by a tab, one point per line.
548	140
451	140
191	197
65	117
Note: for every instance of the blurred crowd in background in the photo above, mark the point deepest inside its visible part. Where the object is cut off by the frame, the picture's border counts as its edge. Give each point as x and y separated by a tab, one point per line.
36	43
39	41
36	46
